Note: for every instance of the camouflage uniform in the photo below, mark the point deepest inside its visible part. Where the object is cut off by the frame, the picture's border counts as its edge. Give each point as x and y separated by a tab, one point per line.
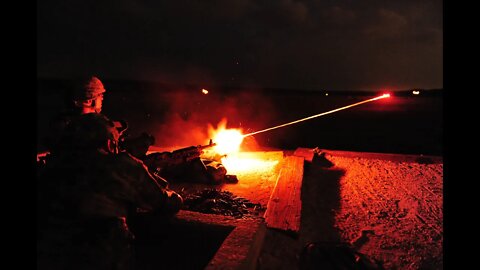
85	95
81	95
85	195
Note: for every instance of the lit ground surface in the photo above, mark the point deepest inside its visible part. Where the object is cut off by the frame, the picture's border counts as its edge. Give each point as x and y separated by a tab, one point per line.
390	207
257	173
256	184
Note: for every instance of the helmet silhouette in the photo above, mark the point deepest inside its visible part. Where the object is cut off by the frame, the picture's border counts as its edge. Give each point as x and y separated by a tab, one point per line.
88	88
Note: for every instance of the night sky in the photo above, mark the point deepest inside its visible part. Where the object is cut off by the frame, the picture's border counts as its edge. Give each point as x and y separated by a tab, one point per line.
318	45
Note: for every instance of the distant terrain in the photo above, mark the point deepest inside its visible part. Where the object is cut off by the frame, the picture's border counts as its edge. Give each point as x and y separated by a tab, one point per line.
179	116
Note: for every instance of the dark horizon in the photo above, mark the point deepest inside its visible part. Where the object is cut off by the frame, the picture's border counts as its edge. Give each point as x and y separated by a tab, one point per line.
119	85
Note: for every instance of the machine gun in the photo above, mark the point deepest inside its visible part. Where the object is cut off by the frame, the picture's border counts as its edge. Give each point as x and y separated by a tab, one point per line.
186	165
189	153
159	160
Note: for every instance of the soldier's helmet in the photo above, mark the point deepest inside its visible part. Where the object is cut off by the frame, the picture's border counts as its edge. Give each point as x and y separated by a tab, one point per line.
94	131
88	88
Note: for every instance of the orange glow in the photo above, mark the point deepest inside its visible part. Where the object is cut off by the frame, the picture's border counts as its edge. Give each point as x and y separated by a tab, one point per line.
228	140
241	163
205	91
416	92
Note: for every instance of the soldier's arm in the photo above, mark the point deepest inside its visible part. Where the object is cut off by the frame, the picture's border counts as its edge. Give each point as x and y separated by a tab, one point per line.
149	194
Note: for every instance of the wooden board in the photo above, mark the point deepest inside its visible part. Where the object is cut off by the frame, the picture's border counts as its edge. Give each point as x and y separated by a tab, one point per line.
285	205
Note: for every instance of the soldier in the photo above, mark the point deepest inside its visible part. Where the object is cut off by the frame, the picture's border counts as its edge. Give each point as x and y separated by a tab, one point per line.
86	195
86	96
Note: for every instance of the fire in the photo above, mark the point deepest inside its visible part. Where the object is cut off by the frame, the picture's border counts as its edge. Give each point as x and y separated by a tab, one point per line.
204	91
228	140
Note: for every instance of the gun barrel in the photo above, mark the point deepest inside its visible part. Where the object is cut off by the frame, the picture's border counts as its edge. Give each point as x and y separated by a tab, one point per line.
207	146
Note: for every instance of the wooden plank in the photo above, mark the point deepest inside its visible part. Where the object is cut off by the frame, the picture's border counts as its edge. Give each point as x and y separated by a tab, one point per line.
306	153
285	205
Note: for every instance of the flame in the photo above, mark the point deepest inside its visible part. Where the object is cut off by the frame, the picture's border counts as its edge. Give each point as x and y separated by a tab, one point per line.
227	140
228	143
204	91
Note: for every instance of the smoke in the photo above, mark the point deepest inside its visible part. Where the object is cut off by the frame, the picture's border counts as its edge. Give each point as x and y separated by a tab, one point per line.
188	113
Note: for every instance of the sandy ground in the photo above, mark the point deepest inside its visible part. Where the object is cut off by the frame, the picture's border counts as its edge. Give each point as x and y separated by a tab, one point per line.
389	208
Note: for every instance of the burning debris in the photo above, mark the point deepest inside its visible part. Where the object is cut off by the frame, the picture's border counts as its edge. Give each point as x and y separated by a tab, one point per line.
212	201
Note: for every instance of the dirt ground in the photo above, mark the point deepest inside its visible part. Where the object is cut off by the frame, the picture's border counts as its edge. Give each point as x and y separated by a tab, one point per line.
389	208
